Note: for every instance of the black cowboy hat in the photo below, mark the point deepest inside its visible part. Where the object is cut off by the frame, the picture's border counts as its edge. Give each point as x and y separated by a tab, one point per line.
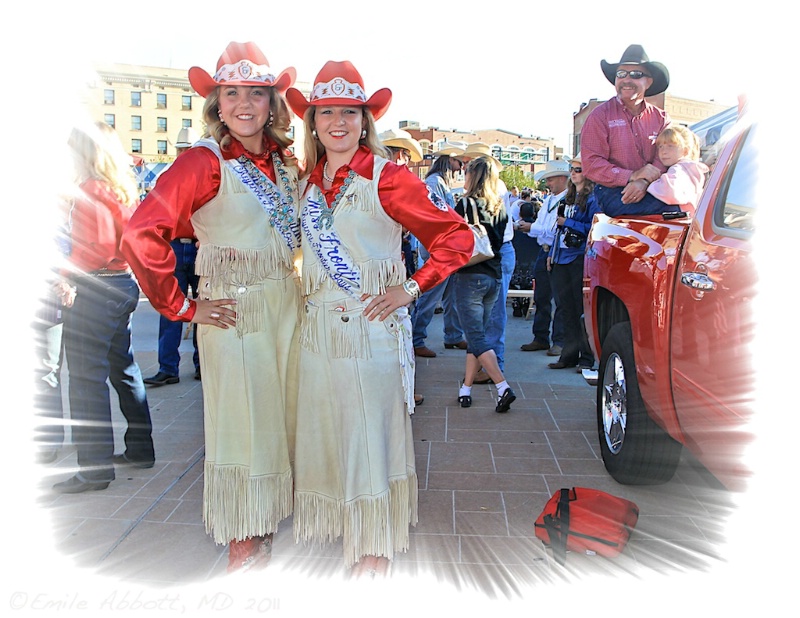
635	54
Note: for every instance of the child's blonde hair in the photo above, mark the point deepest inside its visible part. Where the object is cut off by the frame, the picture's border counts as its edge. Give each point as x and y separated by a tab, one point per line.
683	137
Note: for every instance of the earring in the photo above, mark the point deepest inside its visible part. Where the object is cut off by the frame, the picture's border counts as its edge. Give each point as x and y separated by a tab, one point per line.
363	133
314	134
219	113
271	118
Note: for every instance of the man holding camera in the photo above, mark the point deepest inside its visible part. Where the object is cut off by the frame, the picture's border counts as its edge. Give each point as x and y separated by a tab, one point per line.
543	229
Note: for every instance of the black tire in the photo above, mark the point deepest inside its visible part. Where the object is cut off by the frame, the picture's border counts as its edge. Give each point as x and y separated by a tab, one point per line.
635	450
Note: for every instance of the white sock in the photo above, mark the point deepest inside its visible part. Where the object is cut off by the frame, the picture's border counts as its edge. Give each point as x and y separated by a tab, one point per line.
464	390
502	388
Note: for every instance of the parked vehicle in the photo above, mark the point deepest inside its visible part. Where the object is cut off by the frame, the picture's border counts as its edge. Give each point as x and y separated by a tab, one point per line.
668	310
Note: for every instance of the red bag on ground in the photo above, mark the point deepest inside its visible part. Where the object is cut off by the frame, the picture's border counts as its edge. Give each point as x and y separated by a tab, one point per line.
586	520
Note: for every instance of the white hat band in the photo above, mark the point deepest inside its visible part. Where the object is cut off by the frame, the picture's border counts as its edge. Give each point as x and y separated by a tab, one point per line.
244	70
338	88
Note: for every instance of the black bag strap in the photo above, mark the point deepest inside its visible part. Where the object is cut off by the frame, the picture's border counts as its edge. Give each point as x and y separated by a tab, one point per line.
558	527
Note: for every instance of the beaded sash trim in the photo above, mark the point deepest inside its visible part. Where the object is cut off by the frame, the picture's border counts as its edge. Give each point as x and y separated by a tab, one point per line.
327	245
279	206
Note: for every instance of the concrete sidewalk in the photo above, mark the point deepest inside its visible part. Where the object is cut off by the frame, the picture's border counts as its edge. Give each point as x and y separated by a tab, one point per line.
483	479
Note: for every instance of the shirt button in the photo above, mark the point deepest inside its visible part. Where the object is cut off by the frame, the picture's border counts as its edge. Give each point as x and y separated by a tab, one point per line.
345	318
242	290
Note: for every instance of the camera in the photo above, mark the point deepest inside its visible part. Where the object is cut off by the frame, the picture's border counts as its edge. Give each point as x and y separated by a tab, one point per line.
573	240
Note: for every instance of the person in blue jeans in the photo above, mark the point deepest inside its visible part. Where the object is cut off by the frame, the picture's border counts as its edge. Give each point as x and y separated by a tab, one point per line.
478	285
439	180
97	327
169	332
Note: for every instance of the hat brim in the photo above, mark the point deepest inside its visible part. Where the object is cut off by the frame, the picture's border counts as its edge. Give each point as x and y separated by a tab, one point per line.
549	174
452	151
412	147
204	84
378	103
657	70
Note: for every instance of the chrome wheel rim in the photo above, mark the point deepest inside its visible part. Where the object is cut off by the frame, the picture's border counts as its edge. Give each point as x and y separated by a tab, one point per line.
615	413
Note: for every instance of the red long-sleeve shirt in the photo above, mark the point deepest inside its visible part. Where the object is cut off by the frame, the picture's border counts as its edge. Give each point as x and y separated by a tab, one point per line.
97	220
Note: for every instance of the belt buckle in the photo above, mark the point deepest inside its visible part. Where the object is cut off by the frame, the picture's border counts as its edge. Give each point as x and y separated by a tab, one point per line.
186	241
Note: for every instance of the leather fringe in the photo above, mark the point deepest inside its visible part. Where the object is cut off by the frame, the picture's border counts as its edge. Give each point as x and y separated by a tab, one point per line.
370	526
237	506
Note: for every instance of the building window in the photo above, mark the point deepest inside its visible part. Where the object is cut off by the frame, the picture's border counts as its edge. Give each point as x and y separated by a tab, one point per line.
162	146
186	123
161	100
136	123
136	99
108	97
161	125
110	120
136	145
186	102
290	132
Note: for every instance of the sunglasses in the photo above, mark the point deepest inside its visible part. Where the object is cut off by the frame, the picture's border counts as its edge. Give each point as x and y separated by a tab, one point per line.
577	170
622	74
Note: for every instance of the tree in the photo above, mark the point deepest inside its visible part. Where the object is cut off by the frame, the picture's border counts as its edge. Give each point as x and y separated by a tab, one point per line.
514	176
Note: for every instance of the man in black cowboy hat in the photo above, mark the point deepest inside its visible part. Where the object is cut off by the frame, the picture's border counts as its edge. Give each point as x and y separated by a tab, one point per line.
618	139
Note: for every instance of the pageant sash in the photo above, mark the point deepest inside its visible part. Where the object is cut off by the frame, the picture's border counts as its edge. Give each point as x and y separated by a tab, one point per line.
327	246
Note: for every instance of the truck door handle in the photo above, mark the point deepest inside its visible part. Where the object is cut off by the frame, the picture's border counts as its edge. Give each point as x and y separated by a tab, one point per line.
698	281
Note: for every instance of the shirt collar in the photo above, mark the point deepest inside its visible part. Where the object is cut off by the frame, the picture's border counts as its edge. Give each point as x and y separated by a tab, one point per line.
362	164
236	150
645	106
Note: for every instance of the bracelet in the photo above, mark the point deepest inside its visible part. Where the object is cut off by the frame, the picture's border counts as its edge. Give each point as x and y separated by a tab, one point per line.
186	304
412	288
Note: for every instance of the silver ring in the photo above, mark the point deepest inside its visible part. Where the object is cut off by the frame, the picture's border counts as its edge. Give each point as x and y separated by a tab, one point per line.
215	316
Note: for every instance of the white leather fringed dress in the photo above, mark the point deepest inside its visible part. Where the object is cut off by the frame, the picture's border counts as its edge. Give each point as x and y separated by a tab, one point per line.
354	472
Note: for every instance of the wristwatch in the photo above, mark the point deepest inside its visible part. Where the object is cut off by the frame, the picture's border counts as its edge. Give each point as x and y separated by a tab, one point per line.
412	288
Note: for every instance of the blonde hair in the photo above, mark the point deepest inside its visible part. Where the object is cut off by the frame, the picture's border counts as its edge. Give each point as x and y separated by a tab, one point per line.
683	137
483	181
277	131
314	149
98	154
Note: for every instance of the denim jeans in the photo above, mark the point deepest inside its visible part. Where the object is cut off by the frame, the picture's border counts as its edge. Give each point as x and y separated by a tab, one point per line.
544	316
476	294
610	201
169	332
47	391
426	305
496	330
97	344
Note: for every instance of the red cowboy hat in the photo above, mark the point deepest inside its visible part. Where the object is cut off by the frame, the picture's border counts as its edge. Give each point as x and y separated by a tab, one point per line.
241	64
339	83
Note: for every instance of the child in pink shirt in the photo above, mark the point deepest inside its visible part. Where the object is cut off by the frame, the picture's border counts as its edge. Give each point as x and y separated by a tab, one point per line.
679	150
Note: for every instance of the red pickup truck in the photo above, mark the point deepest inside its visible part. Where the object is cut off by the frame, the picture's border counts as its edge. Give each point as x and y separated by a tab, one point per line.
668	311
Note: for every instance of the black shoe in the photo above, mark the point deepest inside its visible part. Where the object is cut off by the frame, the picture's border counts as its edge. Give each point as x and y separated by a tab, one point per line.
161	378
534	346
461	345
465	401
197	375
75	485
561	365
122	460
438	310
505	401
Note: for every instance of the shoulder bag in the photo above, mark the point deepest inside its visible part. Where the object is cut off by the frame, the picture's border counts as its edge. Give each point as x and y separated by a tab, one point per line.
483	247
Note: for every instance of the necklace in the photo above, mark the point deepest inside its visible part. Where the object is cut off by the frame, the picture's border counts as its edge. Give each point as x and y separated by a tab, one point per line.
282	213
326	217
325	173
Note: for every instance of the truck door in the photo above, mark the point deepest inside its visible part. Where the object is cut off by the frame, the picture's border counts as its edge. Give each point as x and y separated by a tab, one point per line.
712	323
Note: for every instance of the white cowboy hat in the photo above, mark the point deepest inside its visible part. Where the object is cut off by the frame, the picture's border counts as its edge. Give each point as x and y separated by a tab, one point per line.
186	138
479	149
397	138
448	148
555	167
